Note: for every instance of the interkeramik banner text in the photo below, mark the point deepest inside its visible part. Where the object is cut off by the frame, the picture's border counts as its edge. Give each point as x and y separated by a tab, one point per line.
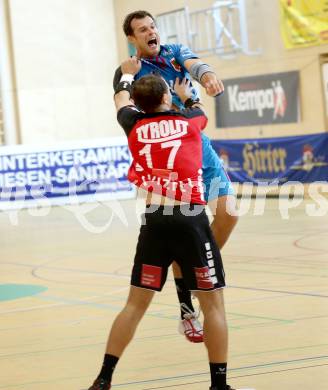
67	173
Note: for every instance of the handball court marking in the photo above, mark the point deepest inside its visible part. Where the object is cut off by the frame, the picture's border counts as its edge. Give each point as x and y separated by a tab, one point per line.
276	305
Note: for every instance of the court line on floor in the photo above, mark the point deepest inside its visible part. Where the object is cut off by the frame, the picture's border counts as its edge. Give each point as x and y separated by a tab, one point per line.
143	339
235	377
230	370
280	291
257	366
231	268
183	376
233	356
125	277
152	313
297	243
66	302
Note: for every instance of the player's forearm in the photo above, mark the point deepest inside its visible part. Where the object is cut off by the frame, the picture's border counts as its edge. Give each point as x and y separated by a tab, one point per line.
197	69
183	96
122	99
123	80
205	75
123	91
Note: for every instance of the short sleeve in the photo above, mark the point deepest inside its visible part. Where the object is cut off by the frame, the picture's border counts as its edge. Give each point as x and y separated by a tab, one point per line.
197	114
183	53
127	117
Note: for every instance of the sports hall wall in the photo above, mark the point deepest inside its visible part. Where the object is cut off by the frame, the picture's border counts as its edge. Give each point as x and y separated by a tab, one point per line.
264	34
64	56
65	53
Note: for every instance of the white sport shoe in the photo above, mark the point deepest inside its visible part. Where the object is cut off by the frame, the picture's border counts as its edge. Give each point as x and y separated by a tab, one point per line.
190	325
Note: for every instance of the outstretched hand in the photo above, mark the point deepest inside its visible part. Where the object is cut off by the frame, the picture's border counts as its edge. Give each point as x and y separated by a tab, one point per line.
131	65
212	84
183	88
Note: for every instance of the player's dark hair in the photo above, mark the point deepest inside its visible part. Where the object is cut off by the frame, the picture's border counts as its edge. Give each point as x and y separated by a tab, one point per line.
134	15
148	91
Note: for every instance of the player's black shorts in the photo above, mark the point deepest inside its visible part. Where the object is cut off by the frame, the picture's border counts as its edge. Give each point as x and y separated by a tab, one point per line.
171	234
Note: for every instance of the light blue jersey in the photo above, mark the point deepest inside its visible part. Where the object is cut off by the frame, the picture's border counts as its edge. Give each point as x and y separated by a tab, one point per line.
169	63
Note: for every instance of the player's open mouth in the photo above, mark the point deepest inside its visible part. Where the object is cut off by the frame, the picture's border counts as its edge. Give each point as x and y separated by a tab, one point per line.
152	43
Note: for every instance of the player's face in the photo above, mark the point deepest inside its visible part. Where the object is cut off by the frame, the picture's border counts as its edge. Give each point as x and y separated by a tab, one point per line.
145	37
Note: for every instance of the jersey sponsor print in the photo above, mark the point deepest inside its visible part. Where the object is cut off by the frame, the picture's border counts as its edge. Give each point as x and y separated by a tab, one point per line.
167	152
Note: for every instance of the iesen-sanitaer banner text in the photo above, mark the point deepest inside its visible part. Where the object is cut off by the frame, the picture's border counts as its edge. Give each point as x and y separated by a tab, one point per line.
83	171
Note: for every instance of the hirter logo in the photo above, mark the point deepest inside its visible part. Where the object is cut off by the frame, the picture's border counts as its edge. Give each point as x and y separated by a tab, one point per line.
308	157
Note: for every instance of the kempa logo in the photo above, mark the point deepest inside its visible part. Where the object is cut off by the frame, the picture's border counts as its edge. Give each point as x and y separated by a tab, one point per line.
259	100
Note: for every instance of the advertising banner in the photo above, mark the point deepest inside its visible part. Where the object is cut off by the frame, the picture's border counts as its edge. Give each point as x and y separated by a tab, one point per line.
65	174
275	160
304	22
259	100
325	84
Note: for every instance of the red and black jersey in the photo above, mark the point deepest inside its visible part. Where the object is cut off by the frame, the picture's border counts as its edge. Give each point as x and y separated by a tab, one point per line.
167	151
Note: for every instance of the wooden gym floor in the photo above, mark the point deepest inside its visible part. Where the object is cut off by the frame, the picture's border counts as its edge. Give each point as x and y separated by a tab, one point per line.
61	286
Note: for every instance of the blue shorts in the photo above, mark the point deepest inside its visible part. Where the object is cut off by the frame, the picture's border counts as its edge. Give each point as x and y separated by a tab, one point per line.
216	180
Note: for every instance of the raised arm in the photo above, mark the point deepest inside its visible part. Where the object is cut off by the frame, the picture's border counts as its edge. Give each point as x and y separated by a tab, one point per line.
129	68
204	75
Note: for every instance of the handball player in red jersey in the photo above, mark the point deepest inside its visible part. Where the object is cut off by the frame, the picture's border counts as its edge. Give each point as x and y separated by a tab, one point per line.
167	162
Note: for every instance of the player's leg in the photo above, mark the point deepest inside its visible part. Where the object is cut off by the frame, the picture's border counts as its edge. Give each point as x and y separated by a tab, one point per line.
215	335
189	324
219	194
222	202
215	324
121	333
202	267
149	274
127	321
223	209
183	293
